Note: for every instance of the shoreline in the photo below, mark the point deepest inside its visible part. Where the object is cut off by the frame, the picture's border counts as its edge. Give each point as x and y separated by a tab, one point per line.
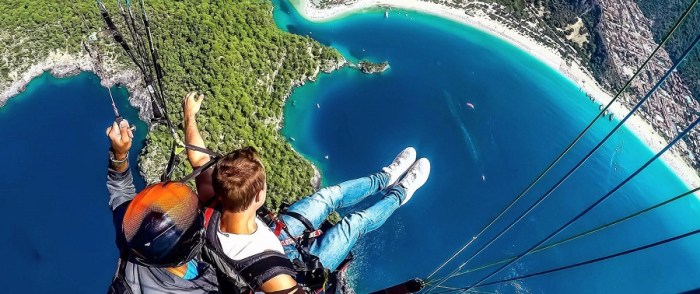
574	72
64	65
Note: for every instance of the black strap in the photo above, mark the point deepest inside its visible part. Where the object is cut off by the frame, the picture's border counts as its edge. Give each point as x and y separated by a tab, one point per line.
170	166
203	150
214	157
309	269
210	202
230	279
119	284
199	170
301	218
262	267
251	272
266	216
312	261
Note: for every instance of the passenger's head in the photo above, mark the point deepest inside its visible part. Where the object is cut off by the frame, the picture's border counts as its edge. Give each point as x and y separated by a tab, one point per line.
163	226
239	180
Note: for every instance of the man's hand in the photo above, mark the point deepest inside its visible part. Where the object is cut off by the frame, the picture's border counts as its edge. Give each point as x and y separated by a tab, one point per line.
192	104
121	136
190	107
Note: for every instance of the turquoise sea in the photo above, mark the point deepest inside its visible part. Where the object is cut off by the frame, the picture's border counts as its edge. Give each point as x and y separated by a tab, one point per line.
60	239
524	114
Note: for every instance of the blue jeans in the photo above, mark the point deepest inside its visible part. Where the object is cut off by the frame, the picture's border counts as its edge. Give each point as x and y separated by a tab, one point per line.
332	247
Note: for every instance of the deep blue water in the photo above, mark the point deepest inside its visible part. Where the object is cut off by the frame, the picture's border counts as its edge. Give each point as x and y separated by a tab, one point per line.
57	228
59	236
525	114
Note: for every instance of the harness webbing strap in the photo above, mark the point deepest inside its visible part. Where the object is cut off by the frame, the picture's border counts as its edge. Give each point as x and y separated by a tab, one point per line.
203	150
199	170
264	266
300	218
254	270
293	239
207	216
310	270
304	240
119	284
229	278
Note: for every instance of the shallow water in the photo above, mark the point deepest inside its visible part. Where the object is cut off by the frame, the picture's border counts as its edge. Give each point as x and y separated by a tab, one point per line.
524	114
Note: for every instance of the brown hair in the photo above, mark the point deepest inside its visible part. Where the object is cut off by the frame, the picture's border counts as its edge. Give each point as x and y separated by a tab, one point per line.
238	177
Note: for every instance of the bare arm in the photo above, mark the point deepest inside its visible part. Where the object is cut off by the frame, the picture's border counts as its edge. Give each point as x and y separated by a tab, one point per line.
190	107
281	284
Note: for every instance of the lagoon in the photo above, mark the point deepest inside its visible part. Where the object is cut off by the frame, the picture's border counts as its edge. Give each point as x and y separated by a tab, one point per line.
350	124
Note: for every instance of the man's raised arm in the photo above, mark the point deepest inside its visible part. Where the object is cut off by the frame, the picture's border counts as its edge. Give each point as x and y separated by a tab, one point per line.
190	107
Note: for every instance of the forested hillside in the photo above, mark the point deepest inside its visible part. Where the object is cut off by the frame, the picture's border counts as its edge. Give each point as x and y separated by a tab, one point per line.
230	50
30	29
235	54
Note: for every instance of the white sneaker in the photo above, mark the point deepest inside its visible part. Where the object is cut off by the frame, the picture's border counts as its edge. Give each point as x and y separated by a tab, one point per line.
400	164
415	177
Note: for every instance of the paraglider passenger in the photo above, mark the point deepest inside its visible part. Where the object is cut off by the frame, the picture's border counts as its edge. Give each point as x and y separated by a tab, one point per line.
238	181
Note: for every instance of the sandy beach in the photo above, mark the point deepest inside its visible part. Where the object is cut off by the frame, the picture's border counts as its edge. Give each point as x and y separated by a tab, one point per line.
576	73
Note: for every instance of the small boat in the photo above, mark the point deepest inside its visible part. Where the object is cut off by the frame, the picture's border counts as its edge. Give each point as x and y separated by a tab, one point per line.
470	105
326	157
292	138
386	13
611	117
483	178
318	105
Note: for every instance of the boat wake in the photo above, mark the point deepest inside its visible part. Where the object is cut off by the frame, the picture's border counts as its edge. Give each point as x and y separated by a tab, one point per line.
474	152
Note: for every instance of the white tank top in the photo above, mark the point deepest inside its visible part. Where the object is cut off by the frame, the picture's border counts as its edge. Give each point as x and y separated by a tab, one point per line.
238	247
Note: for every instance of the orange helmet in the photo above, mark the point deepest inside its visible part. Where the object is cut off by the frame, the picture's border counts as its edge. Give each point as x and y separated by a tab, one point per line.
163	226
